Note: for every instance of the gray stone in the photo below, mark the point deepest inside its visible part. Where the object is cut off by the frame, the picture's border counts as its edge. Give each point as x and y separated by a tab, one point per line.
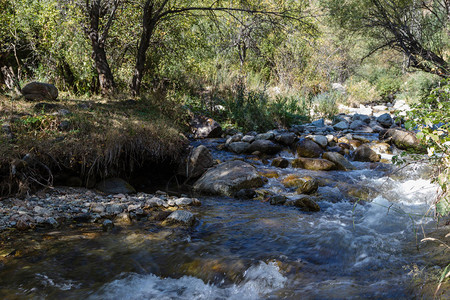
308	148
364	153
339	160
357	125
235	138
228	178
248	138
199	160
319	139
286	139
385	120
341	126
264	146
180	217
239	147
265	136
107	225
363	118
402	139
204	127
38	91
318	123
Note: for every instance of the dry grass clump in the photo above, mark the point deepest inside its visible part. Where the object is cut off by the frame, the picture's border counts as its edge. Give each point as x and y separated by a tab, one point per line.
91	140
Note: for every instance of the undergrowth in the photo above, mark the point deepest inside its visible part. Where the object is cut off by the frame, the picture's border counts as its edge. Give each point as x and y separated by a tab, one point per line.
92	140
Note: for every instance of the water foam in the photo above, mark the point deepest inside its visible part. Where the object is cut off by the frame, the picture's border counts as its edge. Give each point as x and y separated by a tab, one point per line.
259	280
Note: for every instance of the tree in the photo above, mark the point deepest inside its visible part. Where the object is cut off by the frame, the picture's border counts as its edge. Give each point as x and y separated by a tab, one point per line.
100	16
156	12
419	29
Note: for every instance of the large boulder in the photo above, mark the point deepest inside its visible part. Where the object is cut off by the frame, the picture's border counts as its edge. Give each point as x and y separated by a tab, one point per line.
401	138
39	91
264	146
199	160
314	164
204	127
308	148
339	160
115	186
319	139
227	178
364	153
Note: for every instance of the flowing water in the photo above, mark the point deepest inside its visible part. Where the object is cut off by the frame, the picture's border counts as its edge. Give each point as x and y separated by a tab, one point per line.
244	249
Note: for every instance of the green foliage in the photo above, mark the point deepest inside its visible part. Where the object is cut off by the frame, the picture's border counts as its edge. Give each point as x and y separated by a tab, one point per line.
432	118
326	104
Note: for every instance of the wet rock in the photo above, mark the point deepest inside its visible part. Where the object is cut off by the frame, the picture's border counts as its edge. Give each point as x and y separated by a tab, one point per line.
364	153
354	143
308	148
381	148
286	139
319	139
339	160
280	162
123	218
265	147
277	200
204	127
385	120
245	194
239	147
107	225
180	217
115	186
52	222
303	185
25	222
154	202
337	149
402	139
269	173
38	91
199	160
314	164
376	126
305	203
187	202
343	125
228	178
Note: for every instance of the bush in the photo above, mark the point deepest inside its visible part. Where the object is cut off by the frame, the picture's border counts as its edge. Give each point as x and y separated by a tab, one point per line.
325	104
360	92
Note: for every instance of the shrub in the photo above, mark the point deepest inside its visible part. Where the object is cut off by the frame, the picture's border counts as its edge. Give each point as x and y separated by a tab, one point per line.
325	104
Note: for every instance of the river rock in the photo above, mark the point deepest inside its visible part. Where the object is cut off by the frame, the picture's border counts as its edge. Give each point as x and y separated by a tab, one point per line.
245	194
265	136
308	148
314	164
199	160
319	139
286	139
343	125
385	120
376	126
357	125
204	127
401	138
339	160
227	178
107	225
115	186
277	200
264	146
360	117
239	147
235	138
305	203
280	162
39	91
380	148
248	138
364	153
318	123
180	217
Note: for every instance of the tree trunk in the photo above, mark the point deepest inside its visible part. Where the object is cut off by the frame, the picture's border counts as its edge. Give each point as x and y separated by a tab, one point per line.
105	76
148	25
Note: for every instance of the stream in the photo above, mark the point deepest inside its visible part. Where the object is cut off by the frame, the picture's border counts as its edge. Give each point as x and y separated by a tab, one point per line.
245	249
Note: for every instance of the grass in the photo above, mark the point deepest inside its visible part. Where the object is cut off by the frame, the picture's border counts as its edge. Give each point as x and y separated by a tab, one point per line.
96	139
